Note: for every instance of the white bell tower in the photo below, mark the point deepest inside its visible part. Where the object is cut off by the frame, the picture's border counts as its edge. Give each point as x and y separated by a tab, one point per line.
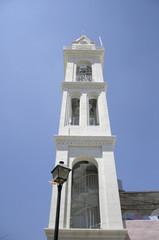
90	207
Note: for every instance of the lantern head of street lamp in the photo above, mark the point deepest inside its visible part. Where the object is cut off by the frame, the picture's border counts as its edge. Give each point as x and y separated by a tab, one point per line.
60	173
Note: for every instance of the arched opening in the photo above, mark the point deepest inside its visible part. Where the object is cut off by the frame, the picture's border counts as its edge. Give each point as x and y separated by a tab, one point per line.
85	196
84	73
75	105
93	112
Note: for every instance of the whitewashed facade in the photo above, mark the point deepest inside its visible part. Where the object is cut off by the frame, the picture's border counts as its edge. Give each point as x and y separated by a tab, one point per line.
90	207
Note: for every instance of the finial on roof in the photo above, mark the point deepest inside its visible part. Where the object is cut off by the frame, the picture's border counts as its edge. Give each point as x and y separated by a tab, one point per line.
83	33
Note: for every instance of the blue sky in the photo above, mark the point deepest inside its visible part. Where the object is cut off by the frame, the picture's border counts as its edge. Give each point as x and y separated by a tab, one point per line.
32	35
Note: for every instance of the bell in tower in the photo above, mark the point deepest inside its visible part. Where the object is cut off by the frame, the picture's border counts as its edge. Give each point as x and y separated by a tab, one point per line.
90	206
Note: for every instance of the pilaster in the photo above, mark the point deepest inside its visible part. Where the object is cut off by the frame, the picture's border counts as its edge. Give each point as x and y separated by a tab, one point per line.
83	110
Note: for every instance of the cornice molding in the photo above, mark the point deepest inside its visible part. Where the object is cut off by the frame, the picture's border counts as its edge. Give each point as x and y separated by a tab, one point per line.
102	86
88	233
85	141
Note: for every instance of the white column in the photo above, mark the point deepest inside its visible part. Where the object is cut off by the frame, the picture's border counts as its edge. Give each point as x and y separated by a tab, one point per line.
69	71
103	114
102	196
83	110
97	72
64	107
112	193
68	200
61	155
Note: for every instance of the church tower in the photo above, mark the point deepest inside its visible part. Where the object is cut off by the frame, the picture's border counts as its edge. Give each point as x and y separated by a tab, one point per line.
90	206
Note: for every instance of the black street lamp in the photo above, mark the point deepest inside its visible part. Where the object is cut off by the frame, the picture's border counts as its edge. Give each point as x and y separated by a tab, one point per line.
60	174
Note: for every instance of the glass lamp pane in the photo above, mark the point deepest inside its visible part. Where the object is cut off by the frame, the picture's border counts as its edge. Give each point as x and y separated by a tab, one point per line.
63	172
55	173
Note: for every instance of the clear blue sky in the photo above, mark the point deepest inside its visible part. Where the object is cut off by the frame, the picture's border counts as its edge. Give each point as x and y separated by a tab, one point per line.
32	35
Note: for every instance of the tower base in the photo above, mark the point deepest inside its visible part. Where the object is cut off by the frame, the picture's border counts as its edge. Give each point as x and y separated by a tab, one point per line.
85	234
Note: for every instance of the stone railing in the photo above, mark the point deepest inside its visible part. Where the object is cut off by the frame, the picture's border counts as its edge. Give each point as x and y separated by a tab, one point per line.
83	78
83	47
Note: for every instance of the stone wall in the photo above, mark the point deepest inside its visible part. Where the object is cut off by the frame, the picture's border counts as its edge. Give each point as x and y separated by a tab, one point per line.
139	203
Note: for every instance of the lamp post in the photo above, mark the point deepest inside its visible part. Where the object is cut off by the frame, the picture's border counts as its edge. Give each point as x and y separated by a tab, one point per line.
60	174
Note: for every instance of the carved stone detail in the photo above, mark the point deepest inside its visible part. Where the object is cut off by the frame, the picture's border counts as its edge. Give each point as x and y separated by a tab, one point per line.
84	85
82	141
